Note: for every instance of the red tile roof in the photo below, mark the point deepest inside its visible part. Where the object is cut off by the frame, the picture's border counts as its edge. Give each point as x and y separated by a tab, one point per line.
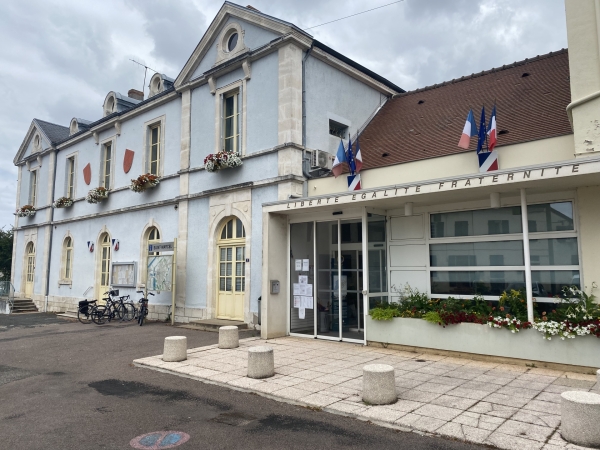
531	97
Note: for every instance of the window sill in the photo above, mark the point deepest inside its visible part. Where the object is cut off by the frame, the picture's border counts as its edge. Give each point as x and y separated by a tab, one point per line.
65	283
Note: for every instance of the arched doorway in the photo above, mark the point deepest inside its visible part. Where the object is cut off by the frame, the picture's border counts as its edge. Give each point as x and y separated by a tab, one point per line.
29	269
103	267
231	270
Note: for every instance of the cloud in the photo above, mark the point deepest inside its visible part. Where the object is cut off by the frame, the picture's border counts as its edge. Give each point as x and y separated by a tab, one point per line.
62	57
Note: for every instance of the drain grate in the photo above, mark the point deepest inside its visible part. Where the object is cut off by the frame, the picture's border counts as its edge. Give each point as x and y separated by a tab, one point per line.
235	419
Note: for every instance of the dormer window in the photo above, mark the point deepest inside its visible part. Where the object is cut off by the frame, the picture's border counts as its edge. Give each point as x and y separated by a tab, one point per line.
230	43
74	127
109	105
159	82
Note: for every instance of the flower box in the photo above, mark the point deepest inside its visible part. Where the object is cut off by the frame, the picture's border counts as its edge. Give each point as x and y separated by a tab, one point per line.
528	344
62	202
222	160
26	211
97	195
143	182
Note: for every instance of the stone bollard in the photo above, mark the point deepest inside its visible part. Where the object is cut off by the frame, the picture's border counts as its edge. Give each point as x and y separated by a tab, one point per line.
379	384
261	362
580	416
598	379
175	349
229	337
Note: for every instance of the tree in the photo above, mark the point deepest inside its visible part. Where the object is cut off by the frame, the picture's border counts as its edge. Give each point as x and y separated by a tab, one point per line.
6	248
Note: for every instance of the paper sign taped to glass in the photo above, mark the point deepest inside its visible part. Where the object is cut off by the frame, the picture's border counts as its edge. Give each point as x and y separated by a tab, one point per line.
160	273
336	286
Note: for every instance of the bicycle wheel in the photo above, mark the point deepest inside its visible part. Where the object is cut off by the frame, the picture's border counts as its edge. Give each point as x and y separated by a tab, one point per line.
142	315
98	315
84	314
128	312
119	311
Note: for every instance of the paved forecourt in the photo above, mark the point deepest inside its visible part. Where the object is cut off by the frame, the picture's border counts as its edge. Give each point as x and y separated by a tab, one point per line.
502	405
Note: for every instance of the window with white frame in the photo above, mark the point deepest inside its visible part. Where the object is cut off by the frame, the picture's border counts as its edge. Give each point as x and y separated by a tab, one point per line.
33	182
67	272
107	155
71	177
154	149
481	251
230	125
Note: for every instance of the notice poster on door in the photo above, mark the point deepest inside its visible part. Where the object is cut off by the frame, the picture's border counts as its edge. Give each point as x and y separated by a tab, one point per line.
304	290
303	279
301	313
305	265
297	301
336	286
298	265
307	302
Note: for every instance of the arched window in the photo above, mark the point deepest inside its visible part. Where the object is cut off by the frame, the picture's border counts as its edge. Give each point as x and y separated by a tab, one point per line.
233	229
151	236
67	272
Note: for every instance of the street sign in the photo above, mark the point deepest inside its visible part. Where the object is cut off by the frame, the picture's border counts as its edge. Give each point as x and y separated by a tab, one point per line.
162	247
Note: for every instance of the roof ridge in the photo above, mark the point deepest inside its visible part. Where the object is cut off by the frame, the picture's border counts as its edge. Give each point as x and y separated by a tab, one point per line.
483	72
49	123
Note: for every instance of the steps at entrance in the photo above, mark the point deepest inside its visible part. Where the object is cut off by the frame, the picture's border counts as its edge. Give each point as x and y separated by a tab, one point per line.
213	324
23	305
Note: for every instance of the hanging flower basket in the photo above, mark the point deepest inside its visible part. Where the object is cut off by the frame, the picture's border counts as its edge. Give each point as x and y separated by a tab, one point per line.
97	195
26	211
143	182
222	160
62	202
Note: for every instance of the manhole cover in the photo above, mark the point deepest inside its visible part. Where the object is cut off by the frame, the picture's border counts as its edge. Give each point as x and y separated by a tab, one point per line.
235	419
160	440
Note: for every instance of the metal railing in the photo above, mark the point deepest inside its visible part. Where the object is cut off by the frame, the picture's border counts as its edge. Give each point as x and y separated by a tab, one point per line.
7	294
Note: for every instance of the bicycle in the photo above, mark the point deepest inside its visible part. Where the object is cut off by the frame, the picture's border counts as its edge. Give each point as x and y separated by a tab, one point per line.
84	310
126	308
143	310
110	310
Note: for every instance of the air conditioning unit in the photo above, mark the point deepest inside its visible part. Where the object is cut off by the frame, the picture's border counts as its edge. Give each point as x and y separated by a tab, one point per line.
320	159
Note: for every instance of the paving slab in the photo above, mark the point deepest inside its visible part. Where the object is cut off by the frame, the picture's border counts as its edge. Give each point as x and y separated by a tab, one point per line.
501	405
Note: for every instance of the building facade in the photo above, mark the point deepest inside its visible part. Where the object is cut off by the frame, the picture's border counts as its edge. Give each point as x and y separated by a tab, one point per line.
256	86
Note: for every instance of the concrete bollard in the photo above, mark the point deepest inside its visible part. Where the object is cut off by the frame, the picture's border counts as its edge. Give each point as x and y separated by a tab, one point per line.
598	379
379	384
261	362
175	349
229	337
579	418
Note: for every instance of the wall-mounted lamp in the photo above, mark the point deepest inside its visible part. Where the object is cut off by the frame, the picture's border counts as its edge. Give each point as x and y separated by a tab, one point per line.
495	200
408	209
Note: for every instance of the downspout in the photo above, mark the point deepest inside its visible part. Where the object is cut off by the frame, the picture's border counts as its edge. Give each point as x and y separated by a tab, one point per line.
305	159
51	234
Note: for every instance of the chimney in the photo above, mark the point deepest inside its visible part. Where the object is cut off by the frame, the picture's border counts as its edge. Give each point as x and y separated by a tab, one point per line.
134	93
252	8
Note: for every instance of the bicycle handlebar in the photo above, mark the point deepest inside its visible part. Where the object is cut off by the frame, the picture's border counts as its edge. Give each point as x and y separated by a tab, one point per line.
150	293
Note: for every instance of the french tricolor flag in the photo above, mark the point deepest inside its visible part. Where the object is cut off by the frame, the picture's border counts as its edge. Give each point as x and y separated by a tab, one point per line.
340	158
358	162
469	131
354	182
491	131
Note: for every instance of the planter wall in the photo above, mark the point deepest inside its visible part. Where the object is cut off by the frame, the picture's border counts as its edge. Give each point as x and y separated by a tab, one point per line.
483	340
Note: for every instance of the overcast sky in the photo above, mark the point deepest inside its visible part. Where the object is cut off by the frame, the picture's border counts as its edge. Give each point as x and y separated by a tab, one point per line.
59	59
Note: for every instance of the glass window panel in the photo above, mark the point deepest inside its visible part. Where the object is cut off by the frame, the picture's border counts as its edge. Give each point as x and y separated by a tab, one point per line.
154	133
229	253
238	285
229	127
504	253
554	252
550	217
229	106
222	271
549	283
223	253
228	269
239	269
476	282
239	229
239	253
228	284
222	284
243	284
479	222
230	229
302	247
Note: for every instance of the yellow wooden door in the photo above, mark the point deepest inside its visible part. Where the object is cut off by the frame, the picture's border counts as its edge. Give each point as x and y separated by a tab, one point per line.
104	267
231	271
30	270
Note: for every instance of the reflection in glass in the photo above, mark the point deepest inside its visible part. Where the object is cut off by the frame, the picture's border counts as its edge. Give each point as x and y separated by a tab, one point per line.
503	253
550	217
476	282
554	252
549	283
478	222
301	248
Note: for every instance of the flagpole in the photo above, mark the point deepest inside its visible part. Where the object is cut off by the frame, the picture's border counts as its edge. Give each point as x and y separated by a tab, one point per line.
486	137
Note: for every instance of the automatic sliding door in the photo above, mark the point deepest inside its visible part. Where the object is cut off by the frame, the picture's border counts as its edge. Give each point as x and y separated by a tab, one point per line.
302	270
328	318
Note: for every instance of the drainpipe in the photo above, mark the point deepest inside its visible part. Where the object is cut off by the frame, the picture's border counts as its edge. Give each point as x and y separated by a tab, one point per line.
55	153
305	160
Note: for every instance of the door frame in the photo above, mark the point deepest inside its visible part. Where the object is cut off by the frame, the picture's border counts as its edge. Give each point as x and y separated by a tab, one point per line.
98	271
233	242
26	271
353	214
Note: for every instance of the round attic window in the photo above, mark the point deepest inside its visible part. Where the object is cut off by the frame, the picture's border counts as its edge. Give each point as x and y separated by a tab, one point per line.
37	142
232	42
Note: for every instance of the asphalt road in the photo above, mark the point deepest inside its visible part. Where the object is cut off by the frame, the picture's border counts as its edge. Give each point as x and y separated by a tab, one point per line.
65	385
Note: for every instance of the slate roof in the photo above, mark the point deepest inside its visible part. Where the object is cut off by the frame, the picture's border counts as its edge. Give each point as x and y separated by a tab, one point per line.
531	99
56	133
